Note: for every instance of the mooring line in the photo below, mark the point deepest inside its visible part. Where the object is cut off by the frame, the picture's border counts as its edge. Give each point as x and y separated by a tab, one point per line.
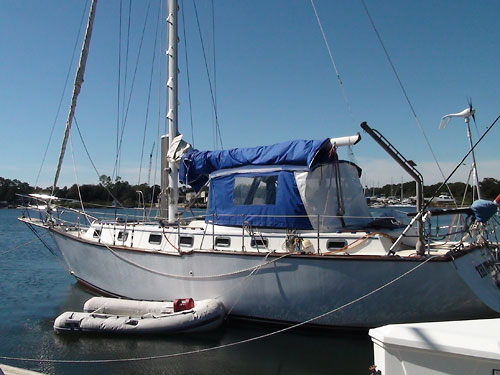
21	245
223	346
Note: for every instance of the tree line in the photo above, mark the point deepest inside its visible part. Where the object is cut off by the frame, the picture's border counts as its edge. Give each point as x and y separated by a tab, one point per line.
103	193
127	195
490	189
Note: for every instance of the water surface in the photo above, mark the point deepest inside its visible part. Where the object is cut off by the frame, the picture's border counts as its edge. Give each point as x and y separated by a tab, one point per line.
35	288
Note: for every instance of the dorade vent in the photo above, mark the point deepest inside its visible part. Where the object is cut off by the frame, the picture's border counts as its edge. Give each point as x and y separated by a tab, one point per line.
335	244
186	241
97	233
259	242
222	241
122	236
155	239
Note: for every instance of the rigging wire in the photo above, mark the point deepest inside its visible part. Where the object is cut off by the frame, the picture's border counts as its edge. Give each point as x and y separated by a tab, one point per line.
460	163
231	344
118	95
124	88
212	95
214	65
334	65
339	80
125	115
159	116
84	12
93	165
76	176
404	92
149	98
187	73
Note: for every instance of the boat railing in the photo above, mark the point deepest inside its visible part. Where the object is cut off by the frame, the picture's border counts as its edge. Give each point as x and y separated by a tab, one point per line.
438	227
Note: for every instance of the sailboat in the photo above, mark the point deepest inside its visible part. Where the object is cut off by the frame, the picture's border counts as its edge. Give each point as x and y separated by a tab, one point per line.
288	238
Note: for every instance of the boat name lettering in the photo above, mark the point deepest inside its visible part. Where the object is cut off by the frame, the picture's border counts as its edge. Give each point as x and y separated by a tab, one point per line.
485	268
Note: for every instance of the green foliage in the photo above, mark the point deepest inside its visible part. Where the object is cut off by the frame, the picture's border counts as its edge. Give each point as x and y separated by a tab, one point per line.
99	194
490	188
9	189
128	196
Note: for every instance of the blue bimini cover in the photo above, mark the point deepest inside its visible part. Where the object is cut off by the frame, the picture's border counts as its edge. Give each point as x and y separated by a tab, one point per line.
196	166
260	199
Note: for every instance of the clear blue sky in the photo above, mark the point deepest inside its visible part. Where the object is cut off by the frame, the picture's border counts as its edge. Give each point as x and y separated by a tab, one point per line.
274	81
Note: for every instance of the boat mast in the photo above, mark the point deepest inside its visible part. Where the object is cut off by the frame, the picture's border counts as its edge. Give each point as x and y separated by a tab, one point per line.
76	87
172	170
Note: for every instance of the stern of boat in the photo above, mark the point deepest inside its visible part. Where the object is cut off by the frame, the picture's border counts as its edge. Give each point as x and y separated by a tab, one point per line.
480	270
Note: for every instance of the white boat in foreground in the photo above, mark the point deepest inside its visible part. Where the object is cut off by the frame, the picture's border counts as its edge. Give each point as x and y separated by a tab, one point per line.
111	315
439	348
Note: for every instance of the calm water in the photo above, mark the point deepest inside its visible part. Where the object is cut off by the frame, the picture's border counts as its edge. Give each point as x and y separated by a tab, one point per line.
35	289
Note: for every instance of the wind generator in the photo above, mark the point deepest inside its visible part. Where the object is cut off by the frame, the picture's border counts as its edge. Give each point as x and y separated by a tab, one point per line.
466	114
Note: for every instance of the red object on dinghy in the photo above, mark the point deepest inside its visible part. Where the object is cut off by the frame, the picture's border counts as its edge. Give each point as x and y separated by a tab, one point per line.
497	200
183	304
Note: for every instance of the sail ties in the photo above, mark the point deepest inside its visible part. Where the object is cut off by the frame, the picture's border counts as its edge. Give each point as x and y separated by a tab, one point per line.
177	149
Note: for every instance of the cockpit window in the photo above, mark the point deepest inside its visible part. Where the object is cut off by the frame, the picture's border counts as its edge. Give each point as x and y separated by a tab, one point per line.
255	190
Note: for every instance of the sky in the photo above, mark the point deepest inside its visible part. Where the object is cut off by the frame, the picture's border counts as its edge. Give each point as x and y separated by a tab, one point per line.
271	75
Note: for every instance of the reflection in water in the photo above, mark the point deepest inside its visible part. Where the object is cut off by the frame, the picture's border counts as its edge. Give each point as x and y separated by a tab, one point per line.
35	289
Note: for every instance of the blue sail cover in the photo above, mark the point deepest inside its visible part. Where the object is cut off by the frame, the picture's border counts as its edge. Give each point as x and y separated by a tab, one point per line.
196	166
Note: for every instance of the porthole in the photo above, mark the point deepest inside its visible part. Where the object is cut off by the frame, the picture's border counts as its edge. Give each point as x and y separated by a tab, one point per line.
187	241
335	244
155	239
222	241
258	242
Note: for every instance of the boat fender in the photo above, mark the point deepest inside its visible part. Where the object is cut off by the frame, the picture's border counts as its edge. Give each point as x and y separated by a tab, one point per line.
308	247
183	304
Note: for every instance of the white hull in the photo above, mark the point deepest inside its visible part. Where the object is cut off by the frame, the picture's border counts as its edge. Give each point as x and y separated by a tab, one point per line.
294	288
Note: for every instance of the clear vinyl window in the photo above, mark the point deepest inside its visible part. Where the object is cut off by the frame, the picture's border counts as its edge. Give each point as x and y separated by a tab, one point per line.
255	190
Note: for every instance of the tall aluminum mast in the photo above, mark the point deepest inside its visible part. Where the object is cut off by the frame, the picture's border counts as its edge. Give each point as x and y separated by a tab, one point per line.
173	184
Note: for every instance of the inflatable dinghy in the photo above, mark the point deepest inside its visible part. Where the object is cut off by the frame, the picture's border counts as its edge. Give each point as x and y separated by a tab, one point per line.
112	315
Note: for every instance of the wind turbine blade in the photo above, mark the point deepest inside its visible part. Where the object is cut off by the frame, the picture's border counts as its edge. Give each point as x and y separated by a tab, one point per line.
444	122
464	114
